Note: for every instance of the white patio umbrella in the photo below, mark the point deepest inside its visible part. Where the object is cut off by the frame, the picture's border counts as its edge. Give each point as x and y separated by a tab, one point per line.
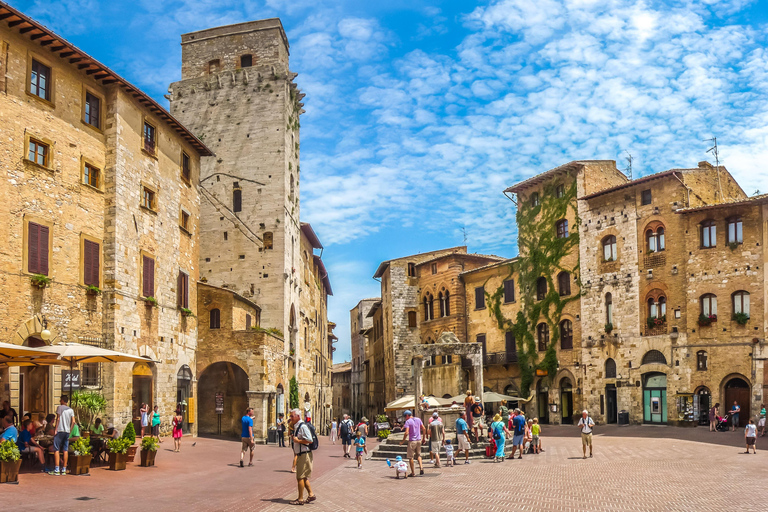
488	397
8	351
408	402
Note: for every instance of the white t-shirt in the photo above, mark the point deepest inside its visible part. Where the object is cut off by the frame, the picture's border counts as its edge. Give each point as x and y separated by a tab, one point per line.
65	414
401	467
751	430
586	425
449	450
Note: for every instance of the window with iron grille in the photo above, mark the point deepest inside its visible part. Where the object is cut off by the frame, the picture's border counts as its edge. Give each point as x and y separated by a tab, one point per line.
90	373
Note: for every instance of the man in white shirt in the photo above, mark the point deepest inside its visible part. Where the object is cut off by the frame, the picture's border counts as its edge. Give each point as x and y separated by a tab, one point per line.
302	438
65	420
586	424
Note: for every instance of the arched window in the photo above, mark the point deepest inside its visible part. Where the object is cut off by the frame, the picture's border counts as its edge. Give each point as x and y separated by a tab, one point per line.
708	234
735	235
609	248
428	311
534	200
561	227
708	303
566	335
609	309
654	356
657	306
564	283
701	360
542	332
246	61
215	319
741	302
610	368
654	239
541	288
445	308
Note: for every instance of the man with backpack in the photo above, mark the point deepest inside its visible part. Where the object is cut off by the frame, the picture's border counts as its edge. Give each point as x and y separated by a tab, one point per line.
345	433
586	424
304	442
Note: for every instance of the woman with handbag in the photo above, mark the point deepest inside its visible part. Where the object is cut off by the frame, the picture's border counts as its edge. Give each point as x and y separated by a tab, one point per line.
499	435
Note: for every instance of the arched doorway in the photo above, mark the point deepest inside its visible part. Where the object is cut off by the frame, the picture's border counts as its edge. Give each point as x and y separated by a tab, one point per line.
566	401
222	399
34	384
655	398
702	401
143	391
737	390
542	400
183	392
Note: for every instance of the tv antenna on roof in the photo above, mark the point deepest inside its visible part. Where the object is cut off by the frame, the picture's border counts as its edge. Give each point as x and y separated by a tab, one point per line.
628	170
464	233
716	154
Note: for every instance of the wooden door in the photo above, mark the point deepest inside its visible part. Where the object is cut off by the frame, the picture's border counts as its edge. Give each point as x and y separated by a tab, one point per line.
738	391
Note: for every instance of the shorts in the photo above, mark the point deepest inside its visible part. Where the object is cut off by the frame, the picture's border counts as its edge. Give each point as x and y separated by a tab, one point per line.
535	441
761	422
304	466
247	443
61	442
346	440
586	439
414	449
434	446
736	420
156	430
517	440
751	441
479	422
463	443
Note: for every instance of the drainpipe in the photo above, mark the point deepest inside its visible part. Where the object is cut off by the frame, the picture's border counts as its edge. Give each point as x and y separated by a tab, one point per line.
687	190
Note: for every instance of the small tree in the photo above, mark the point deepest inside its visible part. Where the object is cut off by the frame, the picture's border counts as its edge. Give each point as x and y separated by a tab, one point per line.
129	433
294	396
87	405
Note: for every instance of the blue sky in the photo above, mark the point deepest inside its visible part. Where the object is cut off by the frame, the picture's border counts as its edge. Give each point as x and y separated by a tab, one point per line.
419	114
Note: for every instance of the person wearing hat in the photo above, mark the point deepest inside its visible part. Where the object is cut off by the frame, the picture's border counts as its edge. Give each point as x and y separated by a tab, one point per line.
362	431
400	467
436	434
414	432
477	416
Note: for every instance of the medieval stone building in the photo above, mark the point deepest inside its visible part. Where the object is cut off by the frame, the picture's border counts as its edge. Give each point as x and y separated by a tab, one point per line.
99	217
361	324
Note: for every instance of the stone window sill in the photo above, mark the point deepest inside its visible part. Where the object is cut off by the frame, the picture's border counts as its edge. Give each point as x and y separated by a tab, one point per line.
30	163
147	210
95	189
44	101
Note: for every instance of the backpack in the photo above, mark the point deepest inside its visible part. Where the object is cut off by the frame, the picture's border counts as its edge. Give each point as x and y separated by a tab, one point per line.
315	441
345	432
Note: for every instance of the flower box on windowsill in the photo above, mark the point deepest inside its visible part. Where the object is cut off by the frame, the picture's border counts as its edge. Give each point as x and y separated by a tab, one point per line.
741	318
707	320
40	280
92	290
150	302
186	312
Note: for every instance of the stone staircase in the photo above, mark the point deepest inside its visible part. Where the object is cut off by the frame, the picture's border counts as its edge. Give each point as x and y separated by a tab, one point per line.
391	448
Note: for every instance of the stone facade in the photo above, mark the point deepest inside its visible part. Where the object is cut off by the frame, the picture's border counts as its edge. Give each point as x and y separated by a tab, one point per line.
360	324
108	214
341	379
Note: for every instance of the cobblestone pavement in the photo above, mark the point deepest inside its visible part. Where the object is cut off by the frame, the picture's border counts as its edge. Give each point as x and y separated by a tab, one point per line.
634	468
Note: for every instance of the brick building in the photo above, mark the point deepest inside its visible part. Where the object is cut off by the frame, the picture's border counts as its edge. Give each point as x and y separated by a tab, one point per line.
361	324
341	379
101	198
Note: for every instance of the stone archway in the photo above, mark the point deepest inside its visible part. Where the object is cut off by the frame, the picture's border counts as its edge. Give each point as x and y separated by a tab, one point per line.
222	389
737	388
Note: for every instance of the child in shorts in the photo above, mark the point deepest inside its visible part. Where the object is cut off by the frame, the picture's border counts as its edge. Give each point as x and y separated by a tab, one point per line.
750	435
535	433
449	453
359	443
400	467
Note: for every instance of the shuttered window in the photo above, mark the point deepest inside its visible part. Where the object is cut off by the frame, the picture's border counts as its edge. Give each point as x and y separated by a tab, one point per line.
148	277
509	342
237	200
247	322
91	261
183	290
37	249
509	290
480	297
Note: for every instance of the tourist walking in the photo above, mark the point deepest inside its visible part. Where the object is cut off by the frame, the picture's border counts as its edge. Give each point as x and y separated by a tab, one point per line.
477	416
414	432
436	433
468	403
536	436
713	418
177	432
735	415
359	449
761	420
144	418
518	433
65	420
280	424
345	432
362	429
504	412
334	430
302	438
246	436
750	435
499	435
586	424
462	433
156	424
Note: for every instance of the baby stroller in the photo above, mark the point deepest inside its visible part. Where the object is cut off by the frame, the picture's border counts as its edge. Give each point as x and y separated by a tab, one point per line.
722	423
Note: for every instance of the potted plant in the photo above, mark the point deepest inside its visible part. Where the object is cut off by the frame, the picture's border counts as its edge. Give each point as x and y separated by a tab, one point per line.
80	459
88	405
40	280
10	462
130	434
186	312
150	302
608	328
92	290
741	318
118	453
148	451
705	320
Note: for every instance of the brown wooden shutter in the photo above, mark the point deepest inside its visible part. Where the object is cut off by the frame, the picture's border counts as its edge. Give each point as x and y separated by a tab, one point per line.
149	277
33	248
91	259
247	322
44	250
180	290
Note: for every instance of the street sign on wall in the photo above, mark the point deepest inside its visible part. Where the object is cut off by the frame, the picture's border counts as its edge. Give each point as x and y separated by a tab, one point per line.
219	403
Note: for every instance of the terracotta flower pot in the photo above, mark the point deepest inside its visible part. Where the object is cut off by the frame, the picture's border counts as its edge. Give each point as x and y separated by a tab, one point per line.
148	458
9	471
79	464
132	453
117	461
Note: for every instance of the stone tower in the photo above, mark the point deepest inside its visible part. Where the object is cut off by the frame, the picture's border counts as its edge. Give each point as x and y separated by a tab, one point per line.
237	94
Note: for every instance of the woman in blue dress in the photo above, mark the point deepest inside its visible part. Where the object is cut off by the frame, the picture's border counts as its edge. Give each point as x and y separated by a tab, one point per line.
498	431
